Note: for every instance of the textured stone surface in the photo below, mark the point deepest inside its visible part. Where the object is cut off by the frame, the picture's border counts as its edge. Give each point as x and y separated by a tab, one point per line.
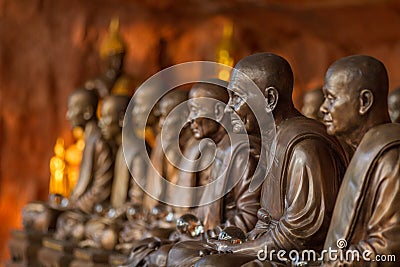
48	48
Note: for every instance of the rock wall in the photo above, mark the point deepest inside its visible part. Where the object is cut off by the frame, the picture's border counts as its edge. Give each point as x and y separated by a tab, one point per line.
50	47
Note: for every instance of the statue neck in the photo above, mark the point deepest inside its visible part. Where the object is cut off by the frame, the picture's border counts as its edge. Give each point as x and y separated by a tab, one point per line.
218	135
118	139
282	115
90	126
355	137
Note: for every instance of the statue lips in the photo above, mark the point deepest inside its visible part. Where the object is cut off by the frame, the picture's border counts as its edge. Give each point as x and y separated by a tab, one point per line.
195	130
327	120
237	124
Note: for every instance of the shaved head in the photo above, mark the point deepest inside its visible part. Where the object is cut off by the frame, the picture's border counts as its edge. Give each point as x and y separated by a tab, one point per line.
216	90
119	103
394	105
269	70
86	97
360	72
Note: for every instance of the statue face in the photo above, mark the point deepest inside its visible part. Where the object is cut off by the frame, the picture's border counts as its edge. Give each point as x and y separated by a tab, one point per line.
203	122
140	109
238	98
394	107
311	106
115	61
341	106
164	108
109	122
76	111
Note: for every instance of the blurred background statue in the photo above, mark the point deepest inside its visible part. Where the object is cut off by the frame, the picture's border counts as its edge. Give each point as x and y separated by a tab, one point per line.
394	105
312	101
112	52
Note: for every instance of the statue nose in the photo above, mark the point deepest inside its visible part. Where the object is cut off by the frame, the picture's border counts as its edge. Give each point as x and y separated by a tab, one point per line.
323	109
228	109
68	115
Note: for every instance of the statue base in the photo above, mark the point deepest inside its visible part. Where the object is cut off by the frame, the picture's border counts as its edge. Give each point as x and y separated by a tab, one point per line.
56	253
24	247
117	259
91	257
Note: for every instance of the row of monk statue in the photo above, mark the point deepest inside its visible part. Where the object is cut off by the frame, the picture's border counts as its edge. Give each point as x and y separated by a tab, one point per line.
333	183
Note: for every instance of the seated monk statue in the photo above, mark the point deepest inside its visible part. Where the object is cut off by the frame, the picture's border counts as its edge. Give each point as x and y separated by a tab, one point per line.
366	218
125	193
135	227
394	105
299	191
233	161
312	100
166	152
96	169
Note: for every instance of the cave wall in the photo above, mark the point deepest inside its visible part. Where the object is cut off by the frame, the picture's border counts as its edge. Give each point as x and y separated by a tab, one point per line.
50	47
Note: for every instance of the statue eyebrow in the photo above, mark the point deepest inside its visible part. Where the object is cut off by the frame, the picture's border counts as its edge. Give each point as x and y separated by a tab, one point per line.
237	91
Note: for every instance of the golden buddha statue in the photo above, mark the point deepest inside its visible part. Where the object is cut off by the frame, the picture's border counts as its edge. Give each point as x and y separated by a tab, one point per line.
224	49
112	52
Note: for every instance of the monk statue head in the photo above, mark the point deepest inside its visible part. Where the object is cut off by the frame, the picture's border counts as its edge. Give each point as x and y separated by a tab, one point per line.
143	105
394	105
167	103
355	90
112	117
312	101
82	106
205	114
272	75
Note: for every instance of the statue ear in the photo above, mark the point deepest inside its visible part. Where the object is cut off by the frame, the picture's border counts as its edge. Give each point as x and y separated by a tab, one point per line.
121	120
88	114
271	98
366	101
219	111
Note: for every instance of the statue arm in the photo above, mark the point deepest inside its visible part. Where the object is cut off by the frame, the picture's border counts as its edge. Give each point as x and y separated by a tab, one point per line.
100	188
383	226
138	173
311	189
244	214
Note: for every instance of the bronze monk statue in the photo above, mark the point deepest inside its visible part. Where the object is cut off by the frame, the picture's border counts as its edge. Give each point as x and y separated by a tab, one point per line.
96	170
166	151
208	120
125	193
394	105
96	167
238	208
366	218
124	189
94	182
312	101
298	194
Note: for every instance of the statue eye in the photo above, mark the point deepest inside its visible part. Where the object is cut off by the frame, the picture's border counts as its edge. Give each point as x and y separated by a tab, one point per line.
330	98
236	99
